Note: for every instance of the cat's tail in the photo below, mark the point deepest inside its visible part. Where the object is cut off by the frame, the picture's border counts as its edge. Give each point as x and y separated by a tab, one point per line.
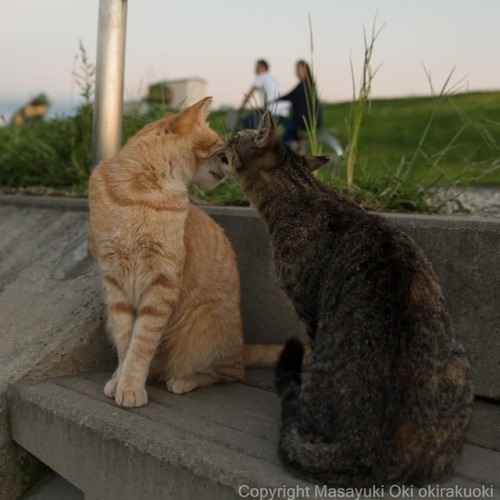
266	355
312	461
288	371
288	381
261	355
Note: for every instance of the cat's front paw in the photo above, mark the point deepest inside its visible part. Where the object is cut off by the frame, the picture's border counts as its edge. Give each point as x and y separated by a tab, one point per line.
131	397
182	385
110	387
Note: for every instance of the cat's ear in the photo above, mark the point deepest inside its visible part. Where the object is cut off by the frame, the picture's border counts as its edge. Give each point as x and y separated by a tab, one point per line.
316	162
266	133
191	117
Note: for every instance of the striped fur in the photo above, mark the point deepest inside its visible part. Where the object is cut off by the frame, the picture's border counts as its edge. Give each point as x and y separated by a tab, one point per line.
386	395
168	271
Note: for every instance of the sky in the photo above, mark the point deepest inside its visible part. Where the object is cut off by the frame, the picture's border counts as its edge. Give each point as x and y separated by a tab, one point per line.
220	40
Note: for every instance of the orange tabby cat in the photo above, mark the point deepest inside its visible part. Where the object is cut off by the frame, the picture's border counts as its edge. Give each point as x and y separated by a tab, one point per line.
169	272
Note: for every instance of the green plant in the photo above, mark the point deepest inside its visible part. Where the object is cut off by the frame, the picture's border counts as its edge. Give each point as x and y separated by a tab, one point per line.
411	182
53	154
81	141
312	119
419	182
317	144
360	105
84	75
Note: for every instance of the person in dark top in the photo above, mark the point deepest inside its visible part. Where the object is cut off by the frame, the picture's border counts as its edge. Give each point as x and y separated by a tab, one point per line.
304	103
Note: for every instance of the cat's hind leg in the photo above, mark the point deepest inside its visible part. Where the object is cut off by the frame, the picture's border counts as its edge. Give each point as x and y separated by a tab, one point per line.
204	347
182	385
228	369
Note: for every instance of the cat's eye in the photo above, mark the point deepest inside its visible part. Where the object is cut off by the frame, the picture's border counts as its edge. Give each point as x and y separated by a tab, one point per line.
223	159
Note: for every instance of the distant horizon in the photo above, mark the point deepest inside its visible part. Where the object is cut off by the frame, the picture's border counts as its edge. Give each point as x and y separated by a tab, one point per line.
66	104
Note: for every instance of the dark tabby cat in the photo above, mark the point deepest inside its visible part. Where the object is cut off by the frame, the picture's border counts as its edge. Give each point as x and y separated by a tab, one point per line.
387	395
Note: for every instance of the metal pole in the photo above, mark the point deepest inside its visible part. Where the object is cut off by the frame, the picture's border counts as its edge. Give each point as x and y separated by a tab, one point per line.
110	64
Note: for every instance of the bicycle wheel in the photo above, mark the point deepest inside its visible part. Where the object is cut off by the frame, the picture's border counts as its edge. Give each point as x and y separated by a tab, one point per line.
330	146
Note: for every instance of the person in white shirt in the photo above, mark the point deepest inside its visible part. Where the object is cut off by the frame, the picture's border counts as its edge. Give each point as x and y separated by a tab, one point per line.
269	90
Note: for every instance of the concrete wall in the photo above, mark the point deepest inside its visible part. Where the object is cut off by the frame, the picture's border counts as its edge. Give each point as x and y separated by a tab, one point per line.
52	316
465	252
48	244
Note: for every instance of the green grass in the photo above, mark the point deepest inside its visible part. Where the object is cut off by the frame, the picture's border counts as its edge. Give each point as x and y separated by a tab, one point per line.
393	128
407	151
54	157
460	146
53	154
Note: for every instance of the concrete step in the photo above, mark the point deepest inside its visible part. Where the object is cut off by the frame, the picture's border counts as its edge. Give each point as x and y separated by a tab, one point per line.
214	443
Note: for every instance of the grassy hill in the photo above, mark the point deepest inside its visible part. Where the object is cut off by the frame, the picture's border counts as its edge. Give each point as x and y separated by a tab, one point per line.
461	145
464	129
409	148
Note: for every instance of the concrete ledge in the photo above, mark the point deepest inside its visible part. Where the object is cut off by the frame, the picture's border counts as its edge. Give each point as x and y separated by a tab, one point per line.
52	202
206	444
52	314
464	251
48	326
203	445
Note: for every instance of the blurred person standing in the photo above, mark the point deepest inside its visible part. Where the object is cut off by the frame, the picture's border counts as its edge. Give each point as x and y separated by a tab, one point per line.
304	102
